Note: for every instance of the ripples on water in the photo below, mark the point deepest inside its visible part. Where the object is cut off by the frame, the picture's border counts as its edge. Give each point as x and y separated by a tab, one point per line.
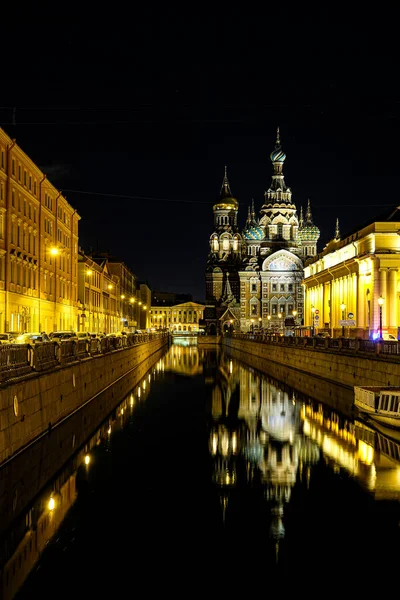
209	475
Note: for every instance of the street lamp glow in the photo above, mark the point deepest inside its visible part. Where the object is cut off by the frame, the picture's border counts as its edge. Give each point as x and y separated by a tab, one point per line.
110	286
54	251
88	272
122	297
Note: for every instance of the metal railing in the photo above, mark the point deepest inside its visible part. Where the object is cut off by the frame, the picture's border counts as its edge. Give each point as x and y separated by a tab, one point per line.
20	359
332	344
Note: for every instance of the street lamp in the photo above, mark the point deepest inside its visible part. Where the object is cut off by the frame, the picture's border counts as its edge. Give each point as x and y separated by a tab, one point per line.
343	308
313	320
269	323
280	321
380	302
259	323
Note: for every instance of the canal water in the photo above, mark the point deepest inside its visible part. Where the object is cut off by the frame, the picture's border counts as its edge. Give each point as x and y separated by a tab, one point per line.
209	477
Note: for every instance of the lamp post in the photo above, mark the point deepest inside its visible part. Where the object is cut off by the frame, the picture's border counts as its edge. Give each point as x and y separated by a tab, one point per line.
259	323
269	323
380	302
280	321
313	320
343	308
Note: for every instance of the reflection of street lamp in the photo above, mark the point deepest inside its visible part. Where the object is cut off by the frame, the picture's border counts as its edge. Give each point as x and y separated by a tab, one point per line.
280	321
380	302
294	313
259	322
343	308
313	320
269	322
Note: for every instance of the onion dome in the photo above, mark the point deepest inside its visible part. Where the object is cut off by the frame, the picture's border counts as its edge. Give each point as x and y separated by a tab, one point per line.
278	154
254	233
309	232
226	200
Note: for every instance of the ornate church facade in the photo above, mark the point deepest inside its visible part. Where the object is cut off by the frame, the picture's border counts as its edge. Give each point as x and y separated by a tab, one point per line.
254	275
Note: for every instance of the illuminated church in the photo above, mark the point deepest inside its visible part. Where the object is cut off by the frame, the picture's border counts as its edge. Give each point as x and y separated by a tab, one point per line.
254	275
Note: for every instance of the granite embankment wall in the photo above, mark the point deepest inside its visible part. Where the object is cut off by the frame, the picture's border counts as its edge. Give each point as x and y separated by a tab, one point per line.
340	368
36	403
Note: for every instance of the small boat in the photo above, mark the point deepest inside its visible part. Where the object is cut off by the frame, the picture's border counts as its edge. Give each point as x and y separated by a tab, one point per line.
381	404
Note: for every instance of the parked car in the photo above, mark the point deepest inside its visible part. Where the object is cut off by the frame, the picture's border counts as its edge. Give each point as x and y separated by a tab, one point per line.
32	338
7	338
60	336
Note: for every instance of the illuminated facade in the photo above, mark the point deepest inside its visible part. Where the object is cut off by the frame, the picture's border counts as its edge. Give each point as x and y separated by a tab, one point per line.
179	317
347	280
38	247
253	277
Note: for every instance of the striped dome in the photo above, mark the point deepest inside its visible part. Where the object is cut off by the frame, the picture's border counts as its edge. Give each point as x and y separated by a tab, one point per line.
255	233
277	155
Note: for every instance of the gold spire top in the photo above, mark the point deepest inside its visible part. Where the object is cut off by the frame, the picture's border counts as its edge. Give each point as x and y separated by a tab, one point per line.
278	139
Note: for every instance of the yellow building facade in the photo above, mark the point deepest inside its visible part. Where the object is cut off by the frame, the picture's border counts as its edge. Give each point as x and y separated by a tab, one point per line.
355	281
180	317
38	247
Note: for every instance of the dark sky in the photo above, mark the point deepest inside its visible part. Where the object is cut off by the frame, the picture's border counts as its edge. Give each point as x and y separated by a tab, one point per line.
141	155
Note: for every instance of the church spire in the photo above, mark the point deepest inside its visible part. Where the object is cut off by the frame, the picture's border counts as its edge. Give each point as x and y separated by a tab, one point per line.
301	220
337	231
225	188
309	220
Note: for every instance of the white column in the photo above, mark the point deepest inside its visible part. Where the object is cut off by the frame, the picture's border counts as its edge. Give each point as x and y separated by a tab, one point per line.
383	293
392	300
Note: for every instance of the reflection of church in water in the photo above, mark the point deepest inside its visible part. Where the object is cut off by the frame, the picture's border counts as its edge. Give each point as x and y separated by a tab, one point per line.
256	440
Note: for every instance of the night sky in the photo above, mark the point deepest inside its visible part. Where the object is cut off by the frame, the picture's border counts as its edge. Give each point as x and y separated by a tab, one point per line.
142	156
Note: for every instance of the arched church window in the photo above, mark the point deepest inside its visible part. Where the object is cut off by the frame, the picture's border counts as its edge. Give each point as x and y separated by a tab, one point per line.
215	244
280	230
235	244
225	244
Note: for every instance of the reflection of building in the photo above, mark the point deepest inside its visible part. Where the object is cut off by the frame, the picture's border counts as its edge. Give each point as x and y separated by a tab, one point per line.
255	439
184	360
257	273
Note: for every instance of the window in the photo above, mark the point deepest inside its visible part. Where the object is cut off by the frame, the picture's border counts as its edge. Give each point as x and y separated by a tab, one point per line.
19	172
282	309
290	287
282	287
253	287
13	166
30	182
13	198
274	287
2	159
34	187
25	177
254	309
274	311
280	230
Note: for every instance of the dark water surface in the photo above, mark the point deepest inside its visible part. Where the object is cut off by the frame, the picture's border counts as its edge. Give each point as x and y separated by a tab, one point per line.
210	477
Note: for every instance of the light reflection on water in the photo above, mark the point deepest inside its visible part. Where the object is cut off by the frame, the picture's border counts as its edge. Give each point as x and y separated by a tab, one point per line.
284	468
